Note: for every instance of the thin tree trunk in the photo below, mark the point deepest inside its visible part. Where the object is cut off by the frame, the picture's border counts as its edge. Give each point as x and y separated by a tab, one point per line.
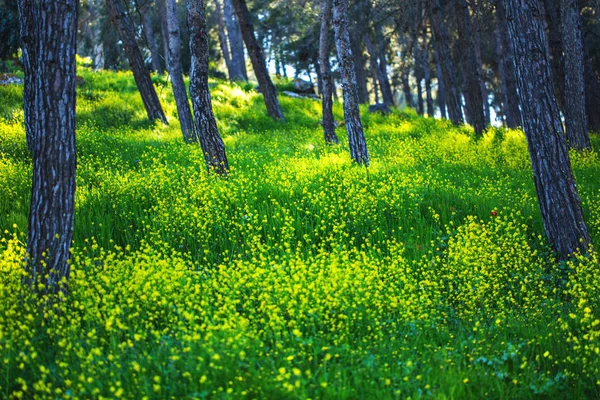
164	30
592	94
558	199
327	101
441	94
50	122
356	135
418	55
574	106
487	119
96	36
267	88
427	74
443	45
509	81
124	27
151	39
382	75
374	65
206	125
223	39
236	43
473	98
174	65
408	98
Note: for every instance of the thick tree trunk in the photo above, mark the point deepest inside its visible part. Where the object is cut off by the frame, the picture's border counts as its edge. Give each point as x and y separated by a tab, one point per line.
473	98
124	27
151	39
236	43
558	199
441	94
174	65
359	69
267	88
506	67
408	98
206	125
356	135
552	13
382	75
574	105
223	39
443	45
326	95
50	123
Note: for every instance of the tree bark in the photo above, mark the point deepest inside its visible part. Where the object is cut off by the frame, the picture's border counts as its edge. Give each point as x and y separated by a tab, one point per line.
267	88
96	36
374	66
558	199
473	96
552	13
427	74
206	125
356	135
151	39
223	39
507	71
576	125
441	94
382	75
408	98
174	65
236	43
326	95
164	29
359	69
442	40
50	121
592	94
124	27
419	75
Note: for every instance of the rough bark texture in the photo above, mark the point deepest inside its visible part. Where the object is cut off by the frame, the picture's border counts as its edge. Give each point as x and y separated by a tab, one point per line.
174	65
356	135
124	27
574	105
267	88
473	96
552	13
206	125
326	95
443	45
151	41
508	76
236	43
50	123
223	39
559	201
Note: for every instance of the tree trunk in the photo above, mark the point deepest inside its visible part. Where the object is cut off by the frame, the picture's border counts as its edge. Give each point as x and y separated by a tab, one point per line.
236	43
267	88
359	69
95	31
356	135
592	94
508	75
124	27
374	66
441	94
326	95
552	12
418	55
408	98
174	65
382	75
50	123
151	39
574	106
487	119
223	39
29	49
558	199
427	74
206	125
443	45
473	98
164	30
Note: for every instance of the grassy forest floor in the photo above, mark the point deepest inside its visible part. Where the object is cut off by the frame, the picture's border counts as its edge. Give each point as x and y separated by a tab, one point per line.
302	275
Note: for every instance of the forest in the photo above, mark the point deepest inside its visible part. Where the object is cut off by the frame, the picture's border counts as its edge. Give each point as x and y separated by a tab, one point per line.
310	199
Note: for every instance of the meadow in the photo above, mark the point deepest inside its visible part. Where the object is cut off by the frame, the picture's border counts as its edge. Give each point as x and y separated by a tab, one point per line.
301	275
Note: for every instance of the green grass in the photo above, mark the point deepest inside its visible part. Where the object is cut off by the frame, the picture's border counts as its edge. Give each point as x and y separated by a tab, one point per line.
301	275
